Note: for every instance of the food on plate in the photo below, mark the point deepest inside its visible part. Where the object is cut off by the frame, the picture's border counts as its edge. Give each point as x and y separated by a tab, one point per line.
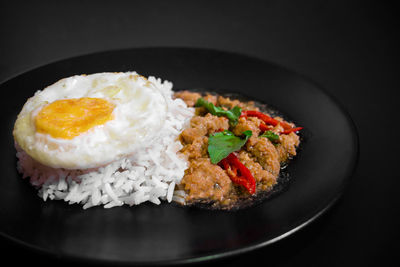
109	139
235	151
103	139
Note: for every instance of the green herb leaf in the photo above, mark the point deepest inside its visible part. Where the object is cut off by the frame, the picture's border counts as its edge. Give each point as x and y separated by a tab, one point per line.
221	144
273	137
232	114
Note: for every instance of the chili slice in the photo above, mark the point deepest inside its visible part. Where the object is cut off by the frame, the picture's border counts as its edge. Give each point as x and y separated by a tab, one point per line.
246	179
263	127
265	118
225	164
270	121
292	130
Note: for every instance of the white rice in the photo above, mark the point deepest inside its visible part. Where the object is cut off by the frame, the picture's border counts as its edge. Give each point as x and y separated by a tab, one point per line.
150	174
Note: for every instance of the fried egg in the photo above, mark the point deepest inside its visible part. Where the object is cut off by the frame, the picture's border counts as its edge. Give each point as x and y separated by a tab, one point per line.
88	121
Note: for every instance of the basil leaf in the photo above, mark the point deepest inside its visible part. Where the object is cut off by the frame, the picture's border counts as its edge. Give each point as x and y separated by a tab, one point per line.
232	114
221	144
273	137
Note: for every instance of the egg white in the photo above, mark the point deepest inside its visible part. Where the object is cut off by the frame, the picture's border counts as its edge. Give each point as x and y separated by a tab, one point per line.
138	116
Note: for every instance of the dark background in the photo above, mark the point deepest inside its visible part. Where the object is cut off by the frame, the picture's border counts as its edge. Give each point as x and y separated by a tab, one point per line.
347	47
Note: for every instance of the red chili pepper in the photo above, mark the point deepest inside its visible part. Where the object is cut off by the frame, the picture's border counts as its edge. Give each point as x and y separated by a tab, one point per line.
245	179
263	127
225	164
270	121
265	118
292	130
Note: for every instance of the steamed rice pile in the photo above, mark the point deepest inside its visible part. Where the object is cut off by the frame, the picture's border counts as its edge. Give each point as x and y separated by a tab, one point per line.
149	174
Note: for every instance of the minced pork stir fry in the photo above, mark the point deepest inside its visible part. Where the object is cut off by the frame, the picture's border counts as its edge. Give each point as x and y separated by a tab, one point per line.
235	151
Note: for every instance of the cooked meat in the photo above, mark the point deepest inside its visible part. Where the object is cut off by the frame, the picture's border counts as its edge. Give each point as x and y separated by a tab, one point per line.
190	98
205	181
210	123
211	98
244	124
260	175
190	134
287	146
228	103
197	148
265	152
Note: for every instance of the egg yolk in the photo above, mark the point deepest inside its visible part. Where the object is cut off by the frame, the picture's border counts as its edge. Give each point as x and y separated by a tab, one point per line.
69	118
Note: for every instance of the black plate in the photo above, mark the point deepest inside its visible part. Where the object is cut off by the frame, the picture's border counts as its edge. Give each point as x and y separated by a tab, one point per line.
169	233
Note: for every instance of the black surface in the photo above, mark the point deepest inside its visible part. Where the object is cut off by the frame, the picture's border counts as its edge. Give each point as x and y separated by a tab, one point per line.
168	233
348	47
